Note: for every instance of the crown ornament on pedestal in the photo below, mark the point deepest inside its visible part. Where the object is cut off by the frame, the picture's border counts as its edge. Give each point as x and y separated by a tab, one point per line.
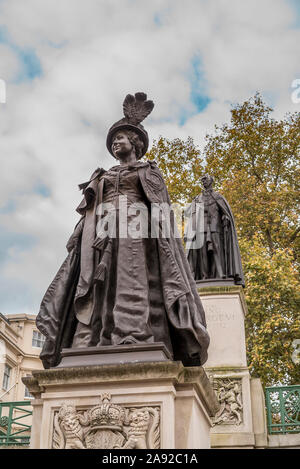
106	416
136	108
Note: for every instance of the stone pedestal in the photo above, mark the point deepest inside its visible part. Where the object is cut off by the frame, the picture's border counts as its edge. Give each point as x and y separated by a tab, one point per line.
241	413
132	405
114	354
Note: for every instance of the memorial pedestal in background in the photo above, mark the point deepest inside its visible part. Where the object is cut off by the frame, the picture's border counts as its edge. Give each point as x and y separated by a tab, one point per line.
128	405
240	421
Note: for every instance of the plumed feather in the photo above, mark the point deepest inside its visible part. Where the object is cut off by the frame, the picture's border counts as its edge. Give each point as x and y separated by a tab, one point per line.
136	108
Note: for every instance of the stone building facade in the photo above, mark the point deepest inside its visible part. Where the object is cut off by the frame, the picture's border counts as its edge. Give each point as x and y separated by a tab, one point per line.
20	346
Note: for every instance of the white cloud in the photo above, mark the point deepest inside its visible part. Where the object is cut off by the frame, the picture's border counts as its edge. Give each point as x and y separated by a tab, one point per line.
9	65
92	53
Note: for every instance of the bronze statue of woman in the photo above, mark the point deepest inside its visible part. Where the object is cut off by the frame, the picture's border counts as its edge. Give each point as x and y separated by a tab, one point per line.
116	288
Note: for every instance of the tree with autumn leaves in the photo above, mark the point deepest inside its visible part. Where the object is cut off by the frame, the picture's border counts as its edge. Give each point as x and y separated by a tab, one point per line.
254	160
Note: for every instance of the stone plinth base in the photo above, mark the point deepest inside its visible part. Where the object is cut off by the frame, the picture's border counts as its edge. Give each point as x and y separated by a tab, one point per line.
225	311
114	354
233	424
240	422
133	405
284	441
215	282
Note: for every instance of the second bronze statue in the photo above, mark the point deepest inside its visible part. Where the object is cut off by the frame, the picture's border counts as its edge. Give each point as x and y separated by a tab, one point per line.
115	289
211	239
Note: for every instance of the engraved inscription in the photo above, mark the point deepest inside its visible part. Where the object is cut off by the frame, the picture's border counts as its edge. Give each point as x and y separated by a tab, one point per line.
216	315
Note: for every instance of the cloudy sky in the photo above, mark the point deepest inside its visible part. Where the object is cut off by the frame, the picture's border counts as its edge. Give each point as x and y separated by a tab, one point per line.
68	65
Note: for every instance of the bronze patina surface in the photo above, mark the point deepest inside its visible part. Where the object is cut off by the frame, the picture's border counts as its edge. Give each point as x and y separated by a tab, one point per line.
212	245
119	290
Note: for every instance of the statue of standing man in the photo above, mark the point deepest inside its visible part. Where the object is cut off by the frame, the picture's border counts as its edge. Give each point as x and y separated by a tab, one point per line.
212	245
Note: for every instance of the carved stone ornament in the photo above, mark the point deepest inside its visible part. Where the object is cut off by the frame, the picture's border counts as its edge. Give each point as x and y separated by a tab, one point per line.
229	394
106	426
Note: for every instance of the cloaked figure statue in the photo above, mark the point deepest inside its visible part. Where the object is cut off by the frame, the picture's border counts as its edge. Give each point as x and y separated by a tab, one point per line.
116	288
211	240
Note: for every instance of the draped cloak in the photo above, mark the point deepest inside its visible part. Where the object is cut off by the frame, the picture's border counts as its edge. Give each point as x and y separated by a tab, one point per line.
69	296
233	260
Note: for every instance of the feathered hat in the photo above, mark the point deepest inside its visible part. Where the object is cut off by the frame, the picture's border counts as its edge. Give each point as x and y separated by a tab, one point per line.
135	109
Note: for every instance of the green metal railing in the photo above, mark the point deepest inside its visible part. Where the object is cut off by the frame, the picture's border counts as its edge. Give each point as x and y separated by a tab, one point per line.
283	409
13	431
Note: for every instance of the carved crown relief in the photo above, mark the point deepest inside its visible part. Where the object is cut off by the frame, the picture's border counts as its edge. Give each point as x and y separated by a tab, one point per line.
106	426
229	394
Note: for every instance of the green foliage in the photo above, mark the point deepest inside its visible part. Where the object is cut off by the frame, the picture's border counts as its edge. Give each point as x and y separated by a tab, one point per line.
255	162
181	165
273	321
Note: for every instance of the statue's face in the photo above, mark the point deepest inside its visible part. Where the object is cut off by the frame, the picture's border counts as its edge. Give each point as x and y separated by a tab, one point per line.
121	146
206	181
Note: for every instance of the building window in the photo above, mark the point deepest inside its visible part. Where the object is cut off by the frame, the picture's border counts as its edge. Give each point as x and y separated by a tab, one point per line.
27	394
6	377
38	339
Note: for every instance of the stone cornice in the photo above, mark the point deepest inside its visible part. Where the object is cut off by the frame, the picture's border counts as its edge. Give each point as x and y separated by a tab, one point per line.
173	372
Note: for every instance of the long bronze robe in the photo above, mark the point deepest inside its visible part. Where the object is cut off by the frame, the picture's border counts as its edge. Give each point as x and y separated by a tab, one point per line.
69	298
